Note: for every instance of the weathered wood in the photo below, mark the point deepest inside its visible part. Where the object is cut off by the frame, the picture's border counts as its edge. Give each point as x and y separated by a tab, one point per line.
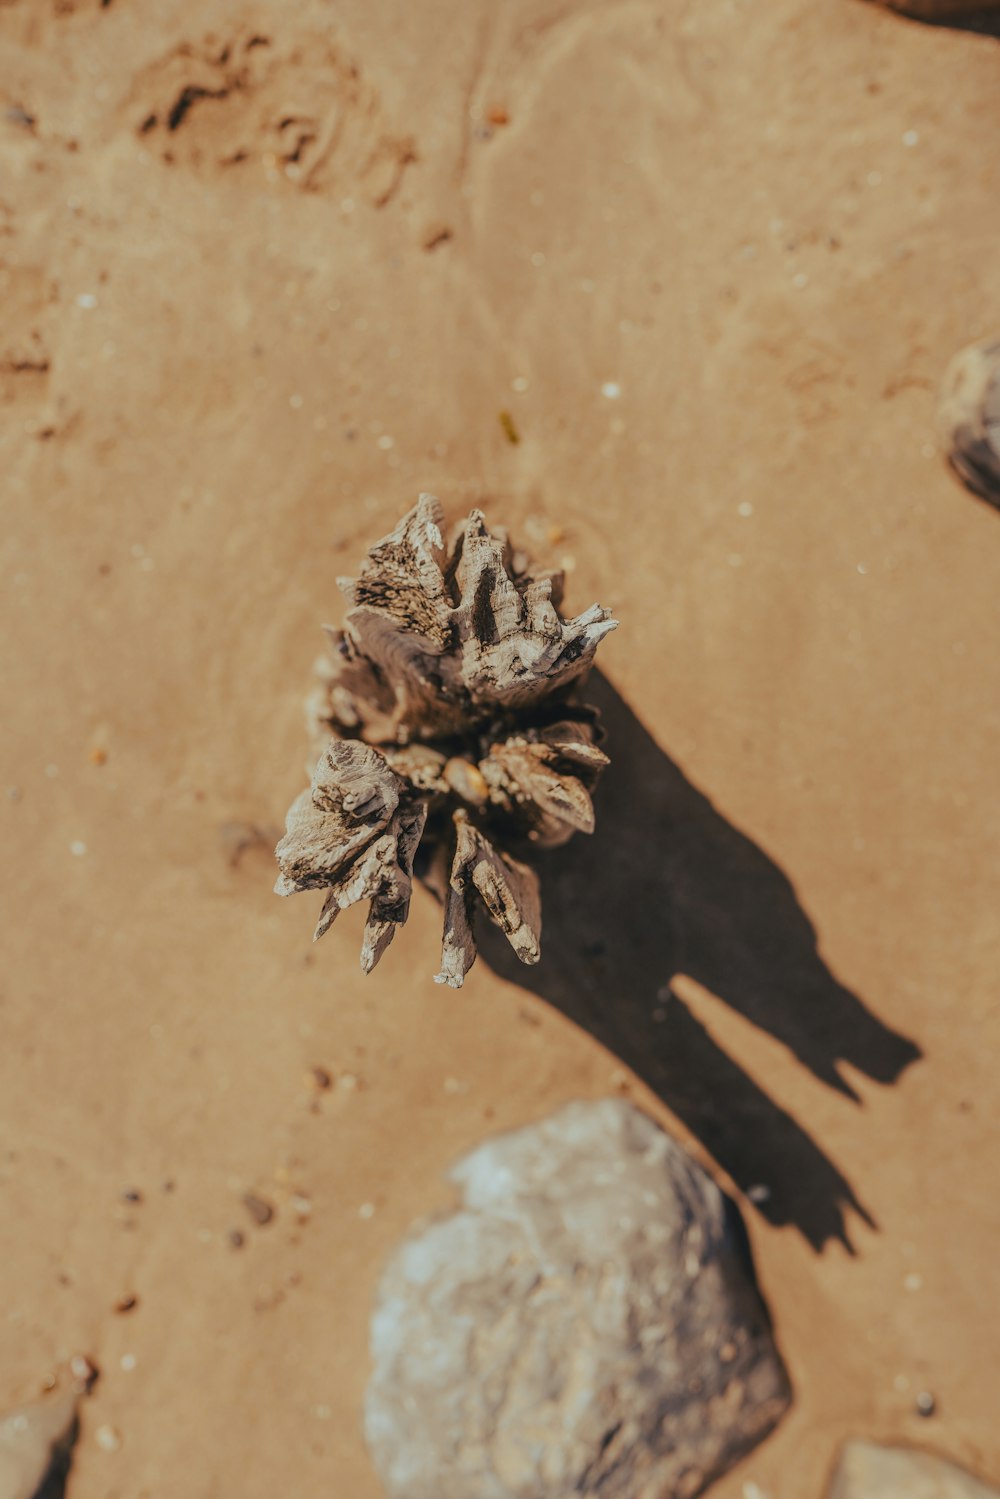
509	891
354	833
450	695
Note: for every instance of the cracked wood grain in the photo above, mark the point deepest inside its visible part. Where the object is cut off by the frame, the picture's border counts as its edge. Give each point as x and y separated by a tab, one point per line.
452	739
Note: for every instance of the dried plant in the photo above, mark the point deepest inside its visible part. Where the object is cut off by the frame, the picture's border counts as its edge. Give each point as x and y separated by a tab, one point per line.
452	740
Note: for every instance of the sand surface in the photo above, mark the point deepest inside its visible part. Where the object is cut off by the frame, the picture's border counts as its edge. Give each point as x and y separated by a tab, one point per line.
267	272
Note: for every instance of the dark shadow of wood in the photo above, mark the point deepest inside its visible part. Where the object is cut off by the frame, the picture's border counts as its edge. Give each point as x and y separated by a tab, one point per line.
986	22
54	1483
668	887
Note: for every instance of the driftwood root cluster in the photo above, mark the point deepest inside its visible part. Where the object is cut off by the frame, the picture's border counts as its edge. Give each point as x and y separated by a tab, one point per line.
451	741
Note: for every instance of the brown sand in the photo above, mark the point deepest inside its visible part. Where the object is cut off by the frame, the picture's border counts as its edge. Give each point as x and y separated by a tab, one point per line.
232	354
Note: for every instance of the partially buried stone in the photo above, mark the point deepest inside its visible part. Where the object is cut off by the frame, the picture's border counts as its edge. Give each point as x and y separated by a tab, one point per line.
969	418
868	1471
585	1323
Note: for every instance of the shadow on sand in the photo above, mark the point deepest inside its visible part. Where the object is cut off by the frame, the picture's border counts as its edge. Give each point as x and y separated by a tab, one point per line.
973	18
667	887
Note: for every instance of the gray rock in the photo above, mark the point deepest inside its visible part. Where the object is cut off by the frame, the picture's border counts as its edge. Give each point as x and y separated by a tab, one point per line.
585	1324
33	1440
969	418
867	1471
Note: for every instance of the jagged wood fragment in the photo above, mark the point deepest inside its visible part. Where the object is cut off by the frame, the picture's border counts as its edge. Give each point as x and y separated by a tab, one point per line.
515	649
352	798
542	780
508	890
350	834
450	694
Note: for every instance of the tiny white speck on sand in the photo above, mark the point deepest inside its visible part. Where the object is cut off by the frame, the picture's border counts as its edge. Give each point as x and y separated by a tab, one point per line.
78	848
611	390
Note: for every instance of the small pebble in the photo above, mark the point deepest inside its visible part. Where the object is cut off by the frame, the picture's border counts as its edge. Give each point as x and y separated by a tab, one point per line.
611	390
925	1404
132	1194
236	1238
127	1304
759	1192
301	1205
509	428
366	1210
86	300
466	780
913	1281
321	1079
107	1438
84	1371
259	1209
128	1362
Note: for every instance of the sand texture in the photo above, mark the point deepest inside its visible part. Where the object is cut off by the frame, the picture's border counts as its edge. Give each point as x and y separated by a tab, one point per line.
269	271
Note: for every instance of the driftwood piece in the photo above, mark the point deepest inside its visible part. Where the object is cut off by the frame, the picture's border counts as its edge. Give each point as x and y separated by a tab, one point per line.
507	888
451	739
